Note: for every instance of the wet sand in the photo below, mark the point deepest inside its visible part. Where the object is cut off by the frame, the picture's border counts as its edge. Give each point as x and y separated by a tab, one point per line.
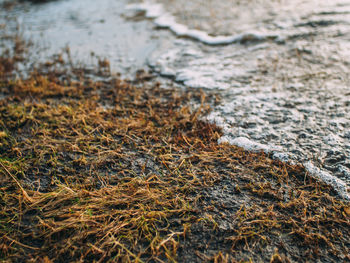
97	168
289	94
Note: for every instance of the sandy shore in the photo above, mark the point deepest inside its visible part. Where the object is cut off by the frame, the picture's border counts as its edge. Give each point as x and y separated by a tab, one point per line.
98	169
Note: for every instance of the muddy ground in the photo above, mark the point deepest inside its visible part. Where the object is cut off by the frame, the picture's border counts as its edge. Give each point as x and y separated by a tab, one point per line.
94	168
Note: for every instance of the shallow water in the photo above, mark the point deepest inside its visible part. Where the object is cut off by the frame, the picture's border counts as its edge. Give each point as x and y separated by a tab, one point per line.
282	67
91	29
286	93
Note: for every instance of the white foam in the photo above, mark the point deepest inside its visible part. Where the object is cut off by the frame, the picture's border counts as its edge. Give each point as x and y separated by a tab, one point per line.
248	144
220	68
164	19
339	186
199	79
266	110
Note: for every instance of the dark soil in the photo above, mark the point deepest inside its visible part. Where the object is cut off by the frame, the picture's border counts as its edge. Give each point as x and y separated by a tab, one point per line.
97	169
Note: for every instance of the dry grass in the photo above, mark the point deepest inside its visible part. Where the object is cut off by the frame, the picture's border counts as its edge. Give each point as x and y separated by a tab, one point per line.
95	181
104	171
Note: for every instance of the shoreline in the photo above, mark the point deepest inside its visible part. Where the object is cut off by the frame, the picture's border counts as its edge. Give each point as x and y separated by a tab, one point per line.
284	97
94	168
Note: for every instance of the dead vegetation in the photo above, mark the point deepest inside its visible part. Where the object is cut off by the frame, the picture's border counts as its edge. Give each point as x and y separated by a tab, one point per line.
104	171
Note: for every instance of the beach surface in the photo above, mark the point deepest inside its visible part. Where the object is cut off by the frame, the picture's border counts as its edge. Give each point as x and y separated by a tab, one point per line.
148	132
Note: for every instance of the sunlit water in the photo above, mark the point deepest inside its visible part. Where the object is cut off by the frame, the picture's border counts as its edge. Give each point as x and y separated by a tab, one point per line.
281	66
